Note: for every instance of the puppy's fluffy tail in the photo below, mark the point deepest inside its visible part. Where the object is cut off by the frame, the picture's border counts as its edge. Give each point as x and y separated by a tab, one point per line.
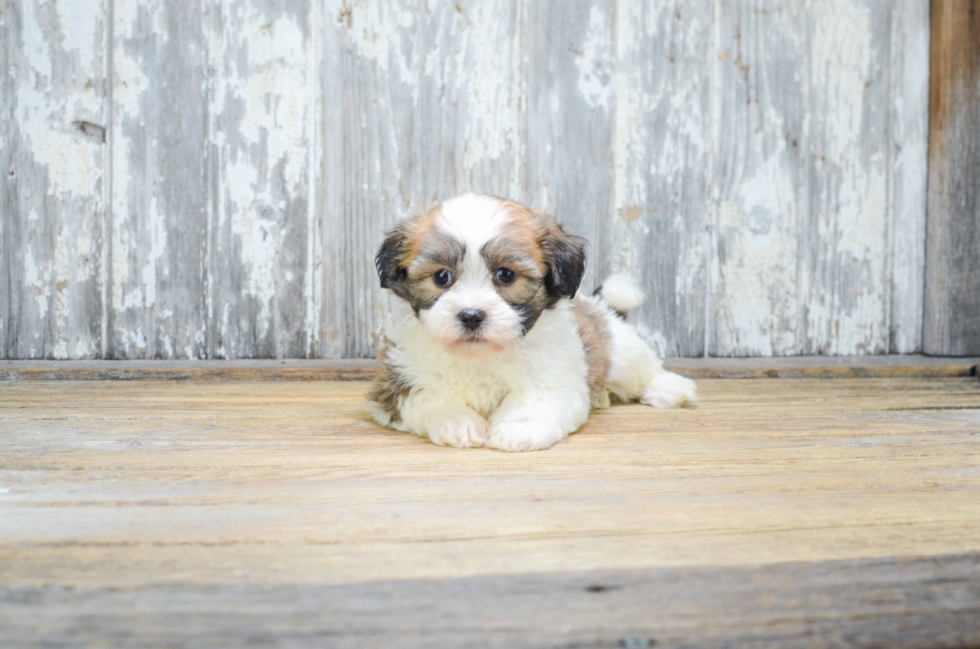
622	292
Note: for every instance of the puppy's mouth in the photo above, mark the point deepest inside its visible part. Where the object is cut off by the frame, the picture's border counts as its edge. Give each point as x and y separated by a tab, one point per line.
474	346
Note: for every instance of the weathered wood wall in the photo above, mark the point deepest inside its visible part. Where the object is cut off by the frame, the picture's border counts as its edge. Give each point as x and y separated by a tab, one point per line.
210	179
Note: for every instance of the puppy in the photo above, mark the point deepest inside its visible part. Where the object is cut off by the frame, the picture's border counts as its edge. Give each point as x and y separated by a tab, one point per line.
500	351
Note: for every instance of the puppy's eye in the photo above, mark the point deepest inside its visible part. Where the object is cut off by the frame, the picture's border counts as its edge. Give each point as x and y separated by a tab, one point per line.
442	278
505	276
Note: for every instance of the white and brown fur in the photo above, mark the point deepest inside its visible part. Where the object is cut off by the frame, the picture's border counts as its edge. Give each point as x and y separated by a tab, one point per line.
526	373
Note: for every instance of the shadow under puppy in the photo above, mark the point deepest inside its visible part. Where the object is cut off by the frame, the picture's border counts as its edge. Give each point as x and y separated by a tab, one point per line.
500	352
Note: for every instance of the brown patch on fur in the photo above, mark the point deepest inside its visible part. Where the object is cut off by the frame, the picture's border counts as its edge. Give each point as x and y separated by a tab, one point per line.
594	332
510	252
418	230
412	253
549	262
526	229
389	385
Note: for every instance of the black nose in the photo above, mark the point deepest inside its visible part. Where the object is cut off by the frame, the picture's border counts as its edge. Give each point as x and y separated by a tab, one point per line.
472	319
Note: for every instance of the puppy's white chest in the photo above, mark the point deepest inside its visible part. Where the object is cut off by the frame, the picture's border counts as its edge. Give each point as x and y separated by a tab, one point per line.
480	388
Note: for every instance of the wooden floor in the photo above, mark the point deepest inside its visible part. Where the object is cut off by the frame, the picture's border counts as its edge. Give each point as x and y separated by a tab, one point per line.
785	513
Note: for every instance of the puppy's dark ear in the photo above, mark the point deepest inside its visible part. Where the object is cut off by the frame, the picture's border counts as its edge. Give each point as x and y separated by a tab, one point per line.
390	256
565	257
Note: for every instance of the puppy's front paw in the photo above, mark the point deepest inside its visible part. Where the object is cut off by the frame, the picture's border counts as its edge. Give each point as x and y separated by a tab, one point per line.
670	390
462	430
523	434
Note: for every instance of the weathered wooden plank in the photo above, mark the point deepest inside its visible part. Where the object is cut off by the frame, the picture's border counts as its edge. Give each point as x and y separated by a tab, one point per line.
900	603
845	269
662	124
570	52
952	306
908	165
209	370
408	122
6	164
261	106
370	72
759	120
793	367
159	136
51	196
820	215
470	124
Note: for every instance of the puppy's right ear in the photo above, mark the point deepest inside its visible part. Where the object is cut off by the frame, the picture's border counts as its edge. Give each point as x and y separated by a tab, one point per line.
390	256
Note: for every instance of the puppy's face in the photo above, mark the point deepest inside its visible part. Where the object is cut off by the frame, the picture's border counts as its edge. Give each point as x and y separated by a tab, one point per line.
479	270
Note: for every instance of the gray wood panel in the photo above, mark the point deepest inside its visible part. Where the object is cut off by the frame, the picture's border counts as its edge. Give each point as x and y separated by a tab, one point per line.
659	231
952	308
819	223
51	196
760	115
760	167
571	80
6	168
261	106
844	271
159	140
427	101
907	155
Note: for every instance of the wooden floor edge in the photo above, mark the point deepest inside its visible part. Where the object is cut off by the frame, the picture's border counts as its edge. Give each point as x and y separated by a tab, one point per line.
809	367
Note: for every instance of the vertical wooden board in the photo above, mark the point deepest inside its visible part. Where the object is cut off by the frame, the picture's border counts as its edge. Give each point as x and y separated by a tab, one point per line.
571	81
952	296
846	261
6	168
758	123
470	116
823	255
369	112
260	165
660	228
160	185
907	158
51	194
420	103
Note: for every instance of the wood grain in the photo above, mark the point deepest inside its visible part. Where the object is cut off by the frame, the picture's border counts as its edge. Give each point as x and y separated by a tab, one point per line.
952	308
812	513
51	197
261	105
819	239
907	149
159	141
760	134
571	83
421	103
811	367
898	603
660	229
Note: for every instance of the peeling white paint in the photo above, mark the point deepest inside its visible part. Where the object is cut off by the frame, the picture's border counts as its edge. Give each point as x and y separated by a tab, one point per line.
45	112
261	110
595	66
819	217
79	33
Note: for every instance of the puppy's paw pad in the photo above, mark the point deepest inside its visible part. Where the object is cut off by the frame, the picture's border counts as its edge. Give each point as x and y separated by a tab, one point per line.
523	435
462	431
670	390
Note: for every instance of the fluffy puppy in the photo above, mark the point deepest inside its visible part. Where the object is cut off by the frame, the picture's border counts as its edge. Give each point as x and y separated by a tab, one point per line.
500	352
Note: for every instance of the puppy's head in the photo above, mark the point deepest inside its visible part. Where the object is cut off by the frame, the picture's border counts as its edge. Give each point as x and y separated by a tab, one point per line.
479	270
